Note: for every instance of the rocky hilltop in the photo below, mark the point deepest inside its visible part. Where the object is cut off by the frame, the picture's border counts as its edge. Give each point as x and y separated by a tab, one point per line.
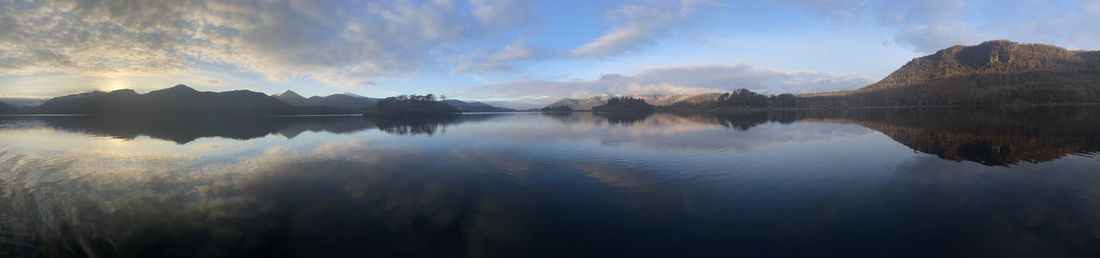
992	73
999	57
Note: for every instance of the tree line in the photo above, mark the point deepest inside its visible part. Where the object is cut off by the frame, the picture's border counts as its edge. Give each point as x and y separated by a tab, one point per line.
412	105
747	98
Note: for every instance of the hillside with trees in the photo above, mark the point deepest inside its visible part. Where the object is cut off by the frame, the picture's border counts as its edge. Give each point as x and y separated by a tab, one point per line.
992	73
741	99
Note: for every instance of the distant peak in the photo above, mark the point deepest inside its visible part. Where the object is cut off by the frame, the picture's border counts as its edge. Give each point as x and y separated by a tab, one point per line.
179	88
353	95
288	93
123	91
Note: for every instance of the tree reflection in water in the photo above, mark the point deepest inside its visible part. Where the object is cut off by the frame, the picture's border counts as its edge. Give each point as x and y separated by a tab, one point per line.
792	183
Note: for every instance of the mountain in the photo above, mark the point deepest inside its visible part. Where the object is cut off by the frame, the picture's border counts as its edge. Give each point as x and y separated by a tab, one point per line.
350	101
475	106
997	57
177	100
5	109
991	73
291	97
22	102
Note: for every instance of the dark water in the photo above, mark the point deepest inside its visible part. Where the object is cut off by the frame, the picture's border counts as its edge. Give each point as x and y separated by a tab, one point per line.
905	182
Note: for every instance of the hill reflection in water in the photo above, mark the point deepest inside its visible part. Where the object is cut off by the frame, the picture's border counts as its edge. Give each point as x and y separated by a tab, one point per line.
183	130
891	182
991	136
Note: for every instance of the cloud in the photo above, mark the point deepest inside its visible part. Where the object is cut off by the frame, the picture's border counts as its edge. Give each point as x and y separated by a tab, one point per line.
671	80
484	60
931	25
641	24
925	26
502	13
734	76
341	42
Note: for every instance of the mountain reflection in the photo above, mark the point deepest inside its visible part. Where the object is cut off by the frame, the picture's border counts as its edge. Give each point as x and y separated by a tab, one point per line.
990	136
787	184
624	118
184	130
428	125
744	120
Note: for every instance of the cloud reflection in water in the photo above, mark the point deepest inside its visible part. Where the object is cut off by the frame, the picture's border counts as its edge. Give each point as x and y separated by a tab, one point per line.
531	184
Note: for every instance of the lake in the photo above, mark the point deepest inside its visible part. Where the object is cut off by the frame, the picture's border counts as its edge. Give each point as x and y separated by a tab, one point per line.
942	182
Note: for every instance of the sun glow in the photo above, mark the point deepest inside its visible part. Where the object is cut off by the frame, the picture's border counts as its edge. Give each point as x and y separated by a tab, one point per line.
114	85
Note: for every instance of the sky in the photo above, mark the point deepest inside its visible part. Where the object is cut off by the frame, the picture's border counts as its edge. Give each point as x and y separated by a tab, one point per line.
515	53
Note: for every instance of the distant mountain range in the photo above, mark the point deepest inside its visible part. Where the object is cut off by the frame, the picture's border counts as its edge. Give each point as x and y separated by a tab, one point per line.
349	101
352	101
995	72
475	106
179	100
183	100
991	73
22	102
657	100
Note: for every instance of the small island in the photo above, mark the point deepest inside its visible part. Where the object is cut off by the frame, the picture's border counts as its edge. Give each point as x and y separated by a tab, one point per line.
556	109
740	100
624	105
411	105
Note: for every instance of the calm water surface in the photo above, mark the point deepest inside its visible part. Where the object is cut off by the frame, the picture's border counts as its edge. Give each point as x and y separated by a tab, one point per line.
902	182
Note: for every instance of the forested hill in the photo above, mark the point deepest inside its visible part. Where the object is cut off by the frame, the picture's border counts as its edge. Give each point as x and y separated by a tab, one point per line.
992	73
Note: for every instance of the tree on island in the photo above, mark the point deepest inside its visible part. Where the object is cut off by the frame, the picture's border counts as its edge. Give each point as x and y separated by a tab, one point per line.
557	109
412	105
624	104
747	98
741	99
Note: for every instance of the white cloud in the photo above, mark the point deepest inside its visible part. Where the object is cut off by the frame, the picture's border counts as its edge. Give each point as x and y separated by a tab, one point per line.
515	51
502	13
641	25
338	42
930	25
726	77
